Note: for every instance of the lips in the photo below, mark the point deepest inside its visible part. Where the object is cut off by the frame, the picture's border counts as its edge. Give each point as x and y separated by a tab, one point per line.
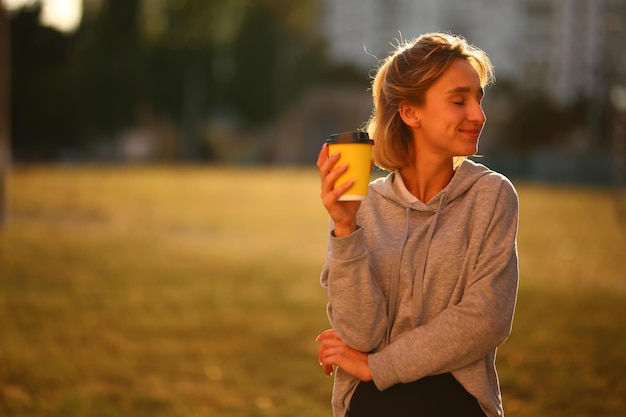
474	133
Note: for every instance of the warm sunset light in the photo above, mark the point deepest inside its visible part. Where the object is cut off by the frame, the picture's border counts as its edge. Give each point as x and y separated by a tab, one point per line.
64	15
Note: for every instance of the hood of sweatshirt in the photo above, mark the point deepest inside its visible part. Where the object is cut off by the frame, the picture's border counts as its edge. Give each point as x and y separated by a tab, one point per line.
392	188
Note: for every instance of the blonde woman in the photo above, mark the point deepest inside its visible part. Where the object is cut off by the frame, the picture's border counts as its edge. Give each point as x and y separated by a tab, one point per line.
421	276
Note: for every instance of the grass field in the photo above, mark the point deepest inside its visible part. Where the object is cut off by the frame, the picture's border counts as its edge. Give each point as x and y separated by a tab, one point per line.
193	291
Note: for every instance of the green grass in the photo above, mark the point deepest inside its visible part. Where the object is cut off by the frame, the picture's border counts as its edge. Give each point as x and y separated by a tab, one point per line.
193	291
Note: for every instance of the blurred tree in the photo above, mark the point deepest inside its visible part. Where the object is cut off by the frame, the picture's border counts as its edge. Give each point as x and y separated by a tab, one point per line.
110	67
182	60
535	120
272	60
5	110
42	107
239	57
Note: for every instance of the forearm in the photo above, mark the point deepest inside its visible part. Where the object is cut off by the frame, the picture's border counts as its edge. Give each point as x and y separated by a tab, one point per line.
356	305
457	337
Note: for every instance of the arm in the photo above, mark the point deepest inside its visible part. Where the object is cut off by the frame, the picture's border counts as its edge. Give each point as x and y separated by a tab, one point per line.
356	307
467	331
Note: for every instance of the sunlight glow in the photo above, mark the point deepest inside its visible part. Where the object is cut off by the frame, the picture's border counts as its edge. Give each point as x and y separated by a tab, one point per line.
64	15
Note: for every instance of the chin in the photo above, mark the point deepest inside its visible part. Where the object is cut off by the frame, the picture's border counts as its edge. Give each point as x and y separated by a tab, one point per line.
469	151
474	149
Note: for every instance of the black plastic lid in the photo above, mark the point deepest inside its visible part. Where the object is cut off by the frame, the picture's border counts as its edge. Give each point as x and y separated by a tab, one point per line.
350	137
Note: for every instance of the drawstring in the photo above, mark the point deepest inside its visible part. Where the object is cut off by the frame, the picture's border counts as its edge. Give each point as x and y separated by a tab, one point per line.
420	271
393	290
418	283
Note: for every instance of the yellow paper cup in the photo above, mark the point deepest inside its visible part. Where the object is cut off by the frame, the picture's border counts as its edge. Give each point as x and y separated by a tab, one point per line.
355	149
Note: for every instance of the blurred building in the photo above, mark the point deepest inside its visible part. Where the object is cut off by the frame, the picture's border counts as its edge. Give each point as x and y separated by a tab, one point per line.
571	52
362	31
562	47
569	44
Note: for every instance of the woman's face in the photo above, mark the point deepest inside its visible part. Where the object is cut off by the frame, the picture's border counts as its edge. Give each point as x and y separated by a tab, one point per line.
451	118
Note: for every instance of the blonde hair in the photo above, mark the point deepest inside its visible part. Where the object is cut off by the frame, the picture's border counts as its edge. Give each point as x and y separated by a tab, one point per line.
405	76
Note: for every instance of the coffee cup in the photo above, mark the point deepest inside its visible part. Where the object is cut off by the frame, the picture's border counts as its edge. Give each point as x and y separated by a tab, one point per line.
355	149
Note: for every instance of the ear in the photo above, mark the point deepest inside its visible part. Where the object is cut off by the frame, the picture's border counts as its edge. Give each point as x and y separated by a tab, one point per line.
409	114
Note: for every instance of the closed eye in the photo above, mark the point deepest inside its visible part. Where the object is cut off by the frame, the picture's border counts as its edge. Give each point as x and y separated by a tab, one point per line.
460	95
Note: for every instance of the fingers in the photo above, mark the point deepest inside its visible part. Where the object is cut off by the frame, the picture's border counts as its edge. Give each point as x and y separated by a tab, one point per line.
329	341
325	337
323	156
343	213
328	173
331	350
331	176
334	352
327	360
327	334
328	369
330	193
325	161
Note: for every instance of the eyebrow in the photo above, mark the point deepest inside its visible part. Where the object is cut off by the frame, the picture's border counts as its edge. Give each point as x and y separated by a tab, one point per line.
464	90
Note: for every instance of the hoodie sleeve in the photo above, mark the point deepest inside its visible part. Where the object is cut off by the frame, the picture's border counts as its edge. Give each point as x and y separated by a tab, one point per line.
469	330
356	305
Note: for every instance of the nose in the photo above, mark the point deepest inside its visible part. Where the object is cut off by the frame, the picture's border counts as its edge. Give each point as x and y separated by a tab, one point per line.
477	114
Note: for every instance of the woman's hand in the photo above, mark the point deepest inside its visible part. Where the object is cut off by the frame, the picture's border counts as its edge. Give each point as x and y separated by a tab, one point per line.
343	213
334	352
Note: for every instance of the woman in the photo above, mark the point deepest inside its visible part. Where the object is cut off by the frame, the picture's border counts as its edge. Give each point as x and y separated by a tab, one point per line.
422	275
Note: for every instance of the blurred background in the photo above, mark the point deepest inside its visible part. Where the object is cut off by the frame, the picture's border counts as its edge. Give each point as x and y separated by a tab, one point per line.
161	234
264	82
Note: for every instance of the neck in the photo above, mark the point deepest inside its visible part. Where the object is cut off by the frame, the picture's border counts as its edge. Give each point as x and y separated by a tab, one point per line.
424	179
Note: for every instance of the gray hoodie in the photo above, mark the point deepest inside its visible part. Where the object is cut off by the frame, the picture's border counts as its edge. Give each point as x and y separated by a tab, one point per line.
427	288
